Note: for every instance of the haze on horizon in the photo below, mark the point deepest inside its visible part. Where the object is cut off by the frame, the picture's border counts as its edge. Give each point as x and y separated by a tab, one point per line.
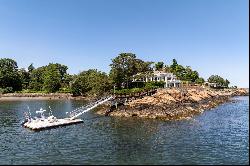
211	36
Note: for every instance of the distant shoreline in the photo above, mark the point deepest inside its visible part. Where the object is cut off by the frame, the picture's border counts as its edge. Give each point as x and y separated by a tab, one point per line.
40	96
52	96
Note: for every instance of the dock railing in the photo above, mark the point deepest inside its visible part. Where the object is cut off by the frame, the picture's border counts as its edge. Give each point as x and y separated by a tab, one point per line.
81	110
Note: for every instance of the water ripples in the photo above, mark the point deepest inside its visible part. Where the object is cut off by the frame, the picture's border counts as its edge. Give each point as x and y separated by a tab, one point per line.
218	136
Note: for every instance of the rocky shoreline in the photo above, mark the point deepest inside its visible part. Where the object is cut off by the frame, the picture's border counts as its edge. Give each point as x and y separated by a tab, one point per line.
174	104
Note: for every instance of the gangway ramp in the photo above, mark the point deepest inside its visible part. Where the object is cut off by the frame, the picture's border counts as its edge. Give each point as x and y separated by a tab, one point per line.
81	110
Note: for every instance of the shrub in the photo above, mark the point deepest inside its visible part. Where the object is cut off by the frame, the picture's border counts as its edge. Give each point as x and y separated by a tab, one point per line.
153	84
64	90
149	86
136	90
6	90
129	91
2	91
122	91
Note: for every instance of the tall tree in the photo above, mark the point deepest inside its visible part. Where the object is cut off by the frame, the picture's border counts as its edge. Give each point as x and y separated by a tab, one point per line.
52	78
37	78
91	82
49	78
184	73
25	78
226	83
126	65
67	81
200	80
159	66
62	69
9	76
31	68
218	80
167	69
174	65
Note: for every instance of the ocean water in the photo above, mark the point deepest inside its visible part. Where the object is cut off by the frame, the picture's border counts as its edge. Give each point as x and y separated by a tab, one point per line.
218	136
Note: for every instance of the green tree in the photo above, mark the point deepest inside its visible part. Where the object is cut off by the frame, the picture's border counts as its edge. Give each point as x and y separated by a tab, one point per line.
218	80
91	82
178	70
126	65
122	68
37	79
226	83
25	78
62	69
31	68
67	81
159	66
52	78
49	78
184	73
194	76
167	69
174	66
9	76
199	80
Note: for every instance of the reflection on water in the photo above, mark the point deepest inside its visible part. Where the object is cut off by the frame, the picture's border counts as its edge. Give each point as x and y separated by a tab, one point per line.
218	136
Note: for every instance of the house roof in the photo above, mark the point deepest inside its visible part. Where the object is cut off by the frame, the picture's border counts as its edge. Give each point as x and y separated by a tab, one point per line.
161	73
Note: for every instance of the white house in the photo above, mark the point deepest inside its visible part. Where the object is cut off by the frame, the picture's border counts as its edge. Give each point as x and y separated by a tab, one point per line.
169	79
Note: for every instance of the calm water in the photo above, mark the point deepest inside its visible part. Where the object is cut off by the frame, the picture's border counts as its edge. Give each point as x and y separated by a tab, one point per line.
218	136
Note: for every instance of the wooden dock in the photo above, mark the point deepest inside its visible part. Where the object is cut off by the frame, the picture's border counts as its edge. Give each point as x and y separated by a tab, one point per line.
46	124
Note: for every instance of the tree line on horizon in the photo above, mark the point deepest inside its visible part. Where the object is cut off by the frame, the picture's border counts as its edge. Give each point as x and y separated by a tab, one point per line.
53	77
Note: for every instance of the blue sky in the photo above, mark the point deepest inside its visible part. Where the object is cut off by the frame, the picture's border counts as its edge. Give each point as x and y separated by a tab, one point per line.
211	36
